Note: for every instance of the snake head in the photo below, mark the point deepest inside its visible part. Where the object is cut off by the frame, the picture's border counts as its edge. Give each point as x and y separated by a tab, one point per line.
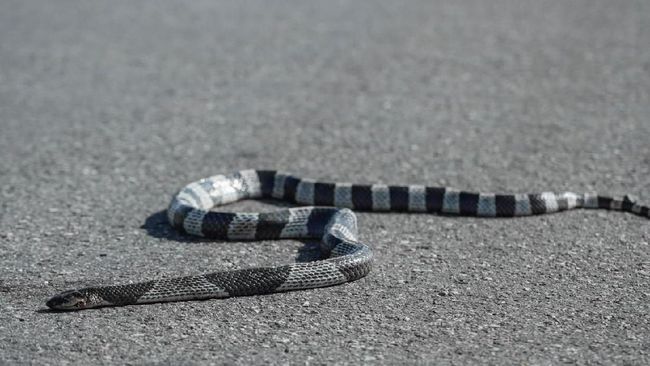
69	300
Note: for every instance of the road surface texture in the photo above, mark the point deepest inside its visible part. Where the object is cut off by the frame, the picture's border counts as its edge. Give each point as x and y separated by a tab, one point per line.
108	107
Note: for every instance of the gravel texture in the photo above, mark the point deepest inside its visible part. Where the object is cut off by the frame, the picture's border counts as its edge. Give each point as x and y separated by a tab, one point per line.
108	107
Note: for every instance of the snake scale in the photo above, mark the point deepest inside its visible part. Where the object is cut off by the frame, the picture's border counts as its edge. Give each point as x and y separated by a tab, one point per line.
327	217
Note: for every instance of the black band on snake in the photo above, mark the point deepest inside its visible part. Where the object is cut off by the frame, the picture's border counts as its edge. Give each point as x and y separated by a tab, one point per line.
345	257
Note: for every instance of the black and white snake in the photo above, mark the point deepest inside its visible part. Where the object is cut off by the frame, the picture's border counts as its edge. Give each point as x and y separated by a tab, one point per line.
345	258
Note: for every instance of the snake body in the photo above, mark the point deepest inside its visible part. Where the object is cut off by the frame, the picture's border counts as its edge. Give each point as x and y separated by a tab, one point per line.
327	217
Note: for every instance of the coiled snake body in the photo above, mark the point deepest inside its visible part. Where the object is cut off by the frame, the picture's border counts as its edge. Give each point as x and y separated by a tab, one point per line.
345	257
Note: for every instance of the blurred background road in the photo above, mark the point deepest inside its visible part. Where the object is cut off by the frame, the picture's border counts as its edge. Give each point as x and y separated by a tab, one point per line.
108	107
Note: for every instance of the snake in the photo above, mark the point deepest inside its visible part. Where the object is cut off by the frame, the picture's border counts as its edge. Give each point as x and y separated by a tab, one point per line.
325	213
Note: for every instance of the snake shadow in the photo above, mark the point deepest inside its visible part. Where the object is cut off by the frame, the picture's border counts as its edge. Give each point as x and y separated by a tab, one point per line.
156	225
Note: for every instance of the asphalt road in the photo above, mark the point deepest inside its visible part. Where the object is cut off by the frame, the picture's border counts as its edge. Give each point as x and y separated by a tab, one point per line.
108	107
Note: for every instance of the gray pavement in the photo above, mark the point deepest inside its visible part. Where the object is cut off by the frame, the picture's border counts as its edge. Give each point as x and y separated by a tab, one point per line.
108	107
